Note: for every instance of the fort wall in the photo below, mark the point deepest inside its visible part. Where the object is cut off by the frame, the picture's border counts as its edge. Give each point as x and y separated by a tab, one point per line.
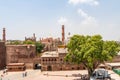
2	55
21	54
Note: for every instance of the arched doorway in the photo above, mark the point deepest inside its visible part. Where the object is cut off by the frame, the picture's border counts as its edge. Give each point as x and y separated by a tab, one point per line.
37	66
49	68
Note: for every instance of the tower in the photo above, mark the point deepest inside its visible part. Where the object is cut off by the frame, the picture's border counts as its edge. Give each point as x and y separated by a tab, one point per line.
34	38
63	34
4	35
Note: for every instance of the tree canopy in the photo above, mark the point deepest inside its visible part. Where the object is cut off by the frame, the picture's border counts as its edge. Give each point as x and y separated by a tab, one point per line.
28	42
91	51
39	47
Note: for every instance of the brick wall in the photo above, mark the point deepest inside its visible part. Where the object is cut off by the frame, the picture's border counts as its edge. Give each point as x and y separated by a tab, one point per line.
21	54
2	55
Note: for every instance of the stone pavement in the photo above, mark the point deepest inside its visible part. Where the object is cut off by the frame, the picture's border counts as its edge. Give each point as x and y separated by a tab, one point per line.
49	75
16	75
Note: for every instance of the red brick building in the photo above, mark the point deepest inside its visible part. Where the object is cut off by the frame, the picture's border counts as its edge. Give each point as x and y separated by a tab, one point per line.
54	61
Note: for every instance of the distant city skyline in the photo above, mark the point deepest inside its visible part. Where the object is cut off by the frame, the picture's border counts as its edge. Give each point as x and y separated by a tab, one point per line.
45	18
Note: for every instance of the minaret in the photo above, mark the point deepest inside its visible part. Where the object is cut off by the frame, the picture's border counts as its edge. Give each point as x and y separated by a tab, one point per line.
4	35
63	34
68	38
34	37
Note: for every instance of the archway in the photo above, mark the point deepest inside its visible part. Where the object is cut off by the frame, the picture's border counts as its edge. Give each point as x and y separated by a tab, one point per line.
37	66
49	68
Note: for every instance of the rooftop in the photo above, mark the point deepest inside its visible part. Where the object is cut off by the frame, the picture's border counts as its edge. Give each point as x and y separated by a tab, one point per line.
114	64
50	54
62	50
15	64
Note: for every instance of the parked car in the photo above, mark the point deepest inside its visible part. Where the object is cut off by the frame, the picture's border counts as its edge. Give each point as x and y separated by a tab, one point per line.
100	74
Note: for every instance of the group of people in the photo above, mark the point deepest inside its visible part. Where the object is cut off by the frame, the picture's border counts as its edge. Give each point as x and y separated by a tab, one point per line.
24	74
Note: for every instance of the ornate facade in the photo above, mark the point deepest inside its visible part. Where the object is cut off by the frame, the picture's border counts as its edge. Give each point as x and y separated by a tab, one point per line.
54	61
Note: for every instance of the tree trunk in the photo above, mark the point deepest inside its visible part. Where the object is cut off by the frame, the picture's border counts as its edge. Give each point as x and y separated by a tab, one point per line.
90	72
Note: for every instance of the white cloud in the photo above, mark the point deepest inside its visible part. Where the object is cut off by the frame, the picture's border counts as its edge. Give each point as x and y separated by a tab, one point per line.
82	13
62	20
90	2
88	20
96	3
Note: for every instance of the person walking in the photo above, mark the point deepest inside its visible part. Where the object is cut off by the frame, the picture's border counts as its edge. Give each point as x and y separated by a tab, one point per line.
23	75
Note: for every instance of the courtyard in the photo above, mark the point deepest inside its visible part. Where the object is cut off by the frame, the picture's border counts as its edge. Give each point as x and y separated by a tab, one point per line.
48	75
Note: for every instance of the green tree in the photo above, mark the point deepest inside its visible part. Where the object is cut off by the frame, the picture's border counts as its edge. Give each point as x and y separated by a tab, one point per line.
91	51
15	42
28	42
39	47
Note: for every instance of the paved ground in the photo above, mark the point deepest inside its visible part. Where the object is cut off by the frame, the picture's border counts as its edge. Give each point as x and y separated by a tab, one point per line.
48	75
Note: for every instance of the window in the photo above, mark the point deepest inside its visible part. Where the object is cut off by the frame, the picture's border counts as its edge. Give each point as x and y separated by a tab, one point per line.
72	68
54	59
60	68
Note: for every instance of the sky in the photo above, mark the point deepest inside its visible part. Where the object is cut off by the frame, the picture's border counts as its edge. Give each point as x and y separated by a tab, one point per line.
44	18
